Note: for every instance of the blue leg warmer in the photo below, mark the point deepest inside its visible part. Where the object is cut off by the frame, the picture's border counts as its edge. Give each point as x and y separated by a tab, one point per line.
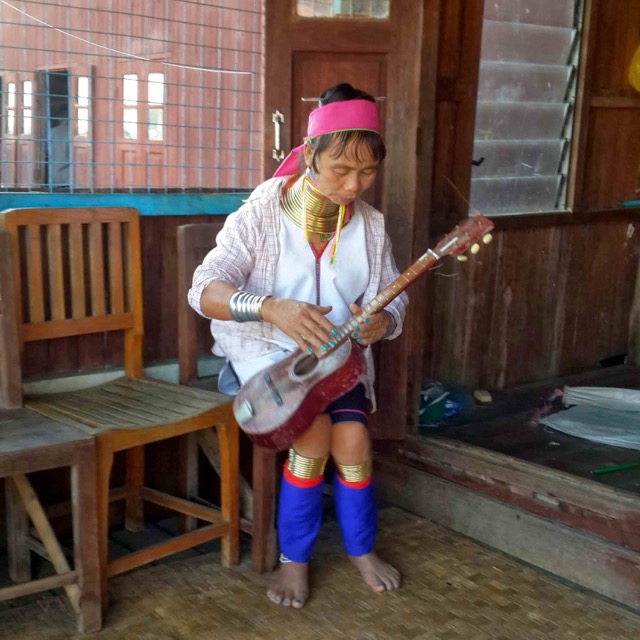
299	515
357	515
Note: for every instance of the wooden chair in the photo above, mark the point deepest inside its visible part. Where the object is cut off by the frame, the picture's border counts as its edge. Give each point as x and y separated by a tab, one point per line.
257	500
29	443
78	271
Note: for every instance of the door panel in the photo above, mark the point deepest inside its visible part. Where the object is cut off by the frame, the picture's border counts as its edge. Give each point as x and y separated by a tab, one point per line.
144	155
304	56
9	130
26	149
315	71
81	109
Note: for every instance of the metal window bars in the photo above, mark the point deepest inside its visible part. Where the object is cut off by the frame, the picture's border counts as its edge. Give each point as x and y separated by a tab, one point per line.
130	96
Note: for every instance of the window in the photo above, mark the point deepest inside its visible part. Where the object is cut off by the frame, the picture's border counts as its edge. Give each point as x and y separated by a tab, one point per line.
83	106
11	108
377	9
155	95
130	101
27	106
526	90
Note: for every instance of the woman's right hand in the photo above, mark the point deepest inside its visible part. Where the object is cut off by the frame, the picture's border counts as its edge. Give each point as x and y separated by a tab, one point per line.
304	323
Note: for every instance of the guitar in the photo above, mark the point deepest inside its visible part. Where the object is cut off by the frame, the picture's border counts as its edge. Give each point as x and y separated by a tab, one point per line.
276	406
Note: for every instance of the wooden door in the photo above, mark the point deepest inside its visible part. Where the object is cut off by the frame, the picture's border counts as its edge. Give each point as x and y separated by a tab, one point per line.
26	153
140	89
9	126
81	110
305	54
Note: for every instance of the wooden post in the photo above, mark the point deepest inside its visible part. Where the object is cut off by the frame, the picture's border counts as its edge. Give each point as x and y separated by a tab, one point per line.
10	371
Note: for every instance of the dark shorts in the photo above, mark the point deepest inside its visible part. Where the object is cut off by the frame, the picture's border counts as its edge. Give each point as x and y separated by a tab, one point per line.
351	407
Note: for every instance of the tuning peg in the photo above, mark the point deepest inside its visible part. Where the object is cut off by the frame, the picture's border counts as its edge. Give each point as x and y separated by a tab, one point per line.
475	248
487	238
462	257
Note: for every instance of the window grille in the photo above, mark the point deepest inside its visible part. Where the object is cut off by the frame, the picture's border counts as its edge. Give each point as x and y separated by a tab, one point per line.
130	95
526	92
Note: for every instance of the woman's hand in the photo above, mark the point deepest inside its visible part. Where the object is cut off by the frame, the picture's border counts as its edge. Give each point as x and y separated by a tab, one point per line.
303	322
371	329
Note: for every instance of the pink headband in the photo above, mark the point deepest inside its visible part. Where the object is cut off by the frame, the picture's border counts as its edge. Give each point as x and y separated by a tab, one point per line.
348	115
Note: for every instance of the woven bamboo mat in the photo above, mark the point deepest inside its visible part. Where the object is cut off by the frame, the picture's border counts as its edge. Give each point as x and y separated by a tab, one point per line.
453	589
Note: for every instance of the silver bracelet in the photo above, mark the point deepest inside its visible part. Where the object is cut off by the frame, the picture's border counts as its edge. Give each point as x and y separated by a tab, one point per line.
391	327
246	307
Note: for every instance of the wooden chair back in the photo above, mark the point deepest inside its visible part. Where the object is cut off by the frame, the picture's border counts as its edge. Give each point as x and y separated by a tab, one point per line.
194	338
194	242
77	271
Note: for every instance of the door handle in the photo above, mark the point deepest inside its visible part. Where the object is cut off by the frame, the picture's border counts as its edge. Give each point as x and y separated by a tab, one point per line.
278	120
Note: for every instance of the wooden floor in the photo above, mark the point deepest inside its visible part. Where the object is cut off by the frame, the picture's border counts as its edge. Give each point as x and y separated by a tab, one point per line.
453	589
506	426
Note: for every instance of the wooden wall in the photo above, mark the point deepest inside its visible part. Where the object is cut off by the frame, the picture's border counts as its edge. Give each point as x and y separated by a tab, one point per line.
553	294
536	303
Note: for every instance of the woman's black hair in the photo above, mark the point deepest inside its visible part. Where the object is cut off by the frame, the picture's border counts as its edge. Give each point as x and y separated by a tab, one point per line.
341	92
340	139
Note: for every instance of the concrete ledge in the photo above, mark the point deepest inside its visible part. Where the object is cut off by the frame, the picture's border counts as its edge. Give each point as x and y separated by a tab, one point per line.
582	558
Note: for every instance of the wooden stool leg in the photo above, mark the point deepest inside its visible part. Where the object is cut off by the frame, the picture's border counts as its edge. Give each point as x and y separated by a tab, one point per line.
263	544
17	532
104	462
228	438
134	509
85	542
187	477
50	543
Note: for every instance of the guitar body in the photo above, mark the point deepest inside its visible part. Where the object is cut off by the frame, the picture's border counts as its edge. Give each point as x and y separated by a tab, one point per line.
277	405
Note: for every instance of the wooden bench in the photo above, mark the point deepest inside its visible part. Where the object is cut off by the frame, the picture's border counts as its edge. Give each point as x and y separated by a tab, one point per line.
78	271
194	242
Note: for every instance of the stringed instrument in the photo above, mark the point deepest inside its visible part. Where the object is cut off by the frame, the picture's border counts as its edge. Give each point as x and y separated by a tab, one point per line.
275	406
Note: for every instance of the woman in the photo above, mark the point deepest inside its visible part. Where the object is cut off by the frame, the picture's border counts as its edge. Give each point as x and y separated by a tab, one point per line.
294	262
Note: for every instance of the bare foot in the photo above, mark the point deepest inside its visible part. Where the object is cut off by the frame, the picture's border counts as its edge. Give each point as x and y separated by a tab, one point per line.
377	573
289	584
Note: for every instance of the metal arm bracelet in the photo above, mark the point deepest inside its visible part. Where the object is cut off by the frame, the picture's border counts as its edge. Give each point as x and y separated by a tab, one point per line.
246	307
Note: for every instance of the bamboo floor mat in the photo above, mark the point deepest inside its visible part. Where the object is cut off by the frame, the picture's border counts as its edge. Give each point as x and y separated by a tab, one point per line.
453	589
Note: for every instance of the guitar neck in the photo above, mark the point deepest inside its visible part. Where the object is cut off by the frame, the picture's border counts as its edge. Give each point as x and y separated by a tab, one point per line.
425	262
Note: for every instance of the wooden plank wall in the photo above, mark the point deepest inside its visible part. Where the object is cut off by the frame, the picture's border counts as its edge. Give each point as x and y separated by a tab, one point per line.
553	295
536	303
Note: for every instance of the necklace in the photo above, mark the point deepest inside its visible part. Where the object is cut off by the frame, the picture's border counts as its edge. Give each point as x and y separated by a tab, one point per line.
322	214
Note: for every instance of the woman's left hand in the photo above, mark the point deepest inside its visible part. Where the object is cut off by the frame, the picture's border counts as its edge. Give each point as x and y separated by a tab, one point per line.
371	329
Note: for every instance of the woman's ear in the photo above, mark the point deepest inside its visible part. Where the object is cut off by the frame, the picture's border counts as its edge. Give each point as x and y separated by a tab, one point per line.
308	155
